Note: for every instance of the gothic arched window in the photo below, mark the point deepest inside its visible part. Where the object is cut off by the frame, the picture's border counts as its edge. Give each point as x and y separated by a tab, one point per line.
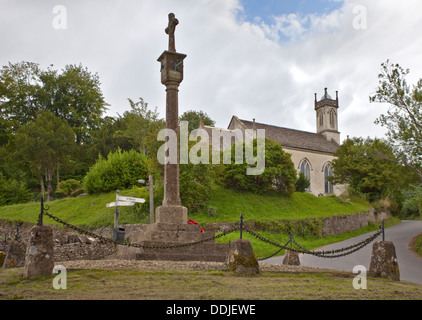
305	168
332	118
328	172
321	118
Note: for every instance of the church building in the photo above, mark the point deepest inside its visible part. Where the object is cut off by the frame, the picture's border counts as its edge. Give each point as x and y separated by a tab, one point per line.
311	153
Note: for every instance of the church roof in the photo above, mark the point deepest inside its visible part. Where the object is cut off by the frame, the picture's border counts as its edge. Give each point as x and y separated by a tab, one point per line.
294	138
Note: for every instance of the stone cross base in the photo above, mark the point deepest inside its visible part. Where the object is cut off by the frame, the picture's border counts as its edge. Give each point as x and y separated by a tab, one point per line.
39	259
384	261
171	214
165	234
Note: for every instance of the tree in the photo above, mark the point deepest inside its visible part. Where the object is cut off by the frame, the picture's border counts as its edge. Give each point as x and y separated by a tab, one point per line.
302	183
279	175
73	95
140	126
194	118
104	140
364	166
45	143
5	132
19	84
13	191
404	118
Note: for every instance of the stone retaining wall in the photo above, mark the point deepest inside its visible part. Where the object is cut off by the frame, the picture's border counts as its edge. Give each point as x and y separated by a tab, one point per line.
68	245
347	223
322	227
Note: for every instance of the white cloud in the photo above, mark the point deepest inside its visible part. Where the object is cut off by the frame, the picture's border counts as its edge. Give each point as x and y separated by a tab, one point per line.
250	69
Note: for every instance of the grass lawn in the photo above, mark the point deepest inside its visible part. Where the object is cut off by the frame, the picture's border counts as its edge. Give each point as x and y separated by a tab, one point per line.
201	285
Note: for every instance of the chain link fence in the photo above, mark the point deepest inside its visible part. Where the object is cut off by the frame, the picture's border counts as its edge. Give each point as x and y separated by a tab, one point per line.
238	226
323	254
140	245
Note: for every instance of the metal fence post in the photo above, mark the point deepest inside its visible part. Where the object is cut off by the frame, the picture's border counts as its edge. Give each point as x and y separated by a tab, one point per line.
241	225
291	239
382	230
42	212
17	231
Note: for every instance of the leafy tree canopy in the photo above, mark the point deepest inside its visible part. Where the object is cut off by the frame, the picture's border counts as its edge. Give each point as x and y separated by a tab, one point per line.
279	175
404	117
194	118
364	164
74	94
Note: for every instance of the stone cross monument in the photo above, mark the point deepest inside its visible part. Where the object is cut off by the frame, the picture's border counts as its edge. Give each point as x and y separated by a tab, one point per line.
171	210
171	225
173	22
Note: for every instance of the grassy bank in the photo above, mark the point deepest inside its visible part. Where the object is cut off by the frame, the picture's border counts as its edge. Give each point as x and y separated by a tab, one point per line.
228	204
417	247
89	211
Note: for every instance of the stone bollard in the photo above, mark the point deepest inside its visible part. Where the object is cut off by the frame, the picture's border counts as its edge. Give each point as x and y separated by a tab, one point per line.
241	258
291	258
39	258
384	261
15	255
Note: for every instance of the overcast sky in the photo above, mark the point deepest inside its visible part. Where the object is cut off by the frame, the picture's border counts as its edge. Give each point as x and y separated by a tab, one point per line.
261	59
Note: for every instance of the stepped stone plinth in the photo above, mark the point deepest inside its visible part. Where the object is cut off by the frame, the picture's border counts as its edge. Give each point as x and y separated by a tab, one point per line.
167	234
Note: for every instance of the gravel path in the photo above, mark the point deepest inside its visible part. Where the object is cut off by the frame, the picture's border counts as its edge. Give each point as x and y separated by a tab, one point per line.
156	265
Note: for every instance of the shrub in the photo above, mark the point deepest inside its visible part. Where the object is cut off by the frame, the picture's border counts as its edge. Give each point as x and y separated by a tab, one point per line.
70	186
13	191
195	186
302	183
279	175
381	205
412	205
119	171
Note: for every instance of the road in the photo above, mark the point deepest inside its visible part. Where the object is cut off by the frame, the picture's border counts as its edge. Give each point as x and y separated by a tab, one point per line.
410	265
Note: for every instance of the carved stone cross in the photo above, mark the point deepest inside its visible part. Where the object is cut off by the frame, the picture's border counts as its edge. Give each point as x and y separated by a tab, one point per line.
173	22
